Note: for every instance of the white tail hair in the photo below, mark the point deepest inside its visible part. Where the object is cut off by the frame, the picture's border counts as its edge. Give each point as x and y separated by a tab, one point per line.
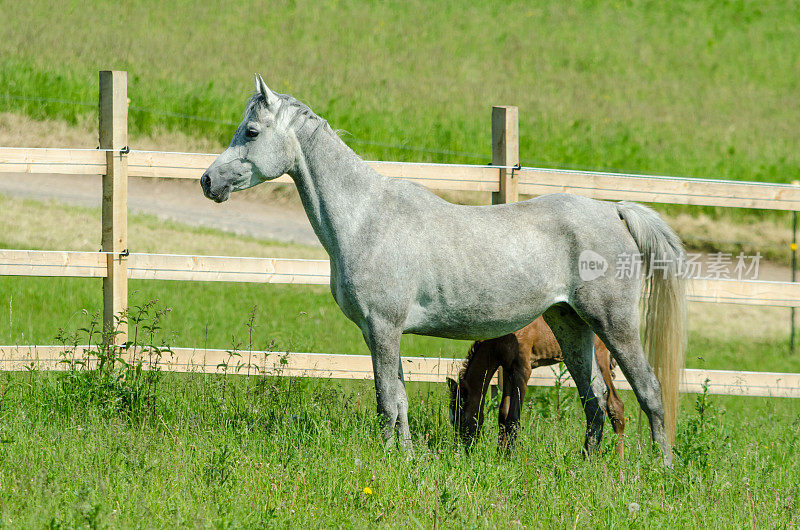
664	301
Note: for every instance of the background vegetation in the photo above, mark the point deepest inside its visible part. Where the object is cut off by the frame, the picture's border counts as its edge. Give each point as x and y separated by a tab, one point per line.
706	89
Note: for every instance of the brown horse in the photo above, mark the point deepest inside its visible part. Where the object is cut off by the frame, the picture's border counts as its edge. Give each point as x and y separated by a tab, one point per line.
518	353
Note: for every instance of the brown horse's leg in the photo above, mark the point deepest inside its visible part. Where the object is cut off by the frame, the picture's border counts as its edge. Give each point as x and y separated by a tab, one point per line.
515	384
504	353
614	406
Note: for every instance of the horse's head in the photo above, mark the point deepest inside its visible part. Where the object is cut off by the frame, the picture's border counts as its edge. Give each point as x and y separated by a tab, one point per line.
466	409
263	148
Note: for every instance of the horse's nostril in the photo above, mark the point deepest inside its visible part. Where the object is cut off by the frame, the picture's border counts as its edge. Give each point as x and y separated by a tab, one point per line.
205	181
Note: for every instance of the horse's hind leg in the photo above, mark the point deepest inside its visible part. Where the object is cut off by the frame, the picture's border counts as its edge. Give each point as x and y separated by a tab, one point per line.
628	352
577	345
615	320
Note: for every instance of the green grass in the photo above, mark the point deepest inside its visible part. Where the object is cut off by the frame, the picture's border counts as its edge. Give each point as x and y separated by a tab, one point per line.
698	88
224	452
175	450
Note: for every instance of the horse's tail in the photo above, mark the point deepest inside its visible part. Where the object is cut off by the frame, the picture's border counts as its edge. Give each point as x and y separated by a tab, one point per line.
664	304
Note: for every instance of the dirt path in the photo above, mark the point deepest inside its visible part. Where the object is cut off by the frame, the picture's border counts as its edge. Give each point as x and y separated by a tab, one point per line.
174	200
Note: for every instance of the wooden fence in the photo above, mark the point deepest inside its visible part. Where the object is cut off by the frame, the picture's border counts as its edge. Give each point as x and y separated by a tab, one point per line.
504	179
338	366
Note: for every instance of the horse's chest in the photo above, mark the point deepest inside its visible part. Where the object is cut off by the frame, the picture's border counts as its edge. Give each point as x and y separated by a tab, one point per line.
346	296
361	293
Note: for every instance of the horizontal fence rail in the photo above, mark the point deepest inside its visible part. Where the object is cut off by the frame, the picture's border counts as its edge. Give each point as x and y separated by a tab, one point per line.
455	177
669	190
338	366
309	271
166	267
53	263
226	269
52	161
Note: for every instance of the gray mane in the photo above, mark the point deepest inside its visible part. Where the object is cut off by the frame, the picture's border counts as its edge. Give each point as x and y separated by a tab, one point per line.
289	105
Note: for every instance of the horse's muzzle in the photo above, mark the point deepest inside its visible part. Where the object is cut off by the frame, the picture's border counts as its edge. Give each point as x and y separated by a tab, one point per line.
220	194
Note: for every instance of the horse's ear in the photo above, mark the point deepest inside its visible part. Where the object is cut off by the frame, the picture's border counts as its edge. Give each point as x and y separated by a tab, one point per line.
269	96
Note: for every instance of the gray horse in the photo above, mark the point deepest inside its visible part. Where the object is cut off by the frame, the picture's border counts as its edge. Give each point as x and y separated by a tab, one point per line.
405	261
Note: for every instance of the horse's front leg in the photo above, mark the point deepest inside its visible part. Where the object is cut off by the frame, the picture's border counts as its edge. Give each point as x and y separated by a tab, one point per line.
515	384
384	345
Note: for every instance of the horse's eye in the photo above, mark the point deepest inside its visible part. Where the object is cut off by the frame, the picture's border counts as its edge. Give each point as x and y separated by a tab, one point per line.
251	132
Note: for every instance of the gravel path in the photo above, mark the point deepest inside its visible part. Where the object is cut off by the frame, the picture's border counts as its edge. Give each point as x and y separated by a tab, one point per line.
175	200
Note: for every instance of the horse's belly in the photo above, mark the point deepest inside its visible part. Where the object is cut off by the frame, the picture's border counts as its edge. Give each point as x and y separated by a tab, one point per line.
475	321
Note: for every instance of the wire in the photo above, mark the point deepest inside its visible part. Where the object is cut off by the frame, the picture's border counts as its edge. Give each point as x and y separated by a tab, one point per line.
221	272
173	152
59	265
420	149
49	100
437	164
305	260
181	115
59	251
193	117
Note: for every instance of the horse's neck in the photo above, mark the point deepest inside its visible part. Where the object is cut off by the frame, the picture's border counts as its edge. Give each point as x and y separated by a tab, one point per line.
336	188
481	364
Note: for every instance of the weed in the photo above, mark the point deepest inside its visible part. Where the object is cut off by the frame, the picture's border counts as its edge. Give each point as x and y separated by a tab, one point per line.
218	467
702	435
115	378
554	402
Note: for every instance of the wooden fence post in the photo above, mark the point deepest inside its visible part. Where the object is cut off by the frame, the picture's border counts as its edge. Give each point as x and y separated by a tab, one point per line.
505	152
114	136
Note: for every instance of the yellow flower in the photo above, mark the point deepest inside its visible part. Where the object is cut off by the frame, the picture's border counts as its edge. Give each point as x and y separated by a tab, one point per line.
367	490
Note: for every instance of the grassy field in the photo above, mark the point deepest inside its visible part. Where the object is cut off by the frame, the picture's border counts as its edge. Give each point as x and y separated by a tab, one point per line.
125	448
132	449
706	89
